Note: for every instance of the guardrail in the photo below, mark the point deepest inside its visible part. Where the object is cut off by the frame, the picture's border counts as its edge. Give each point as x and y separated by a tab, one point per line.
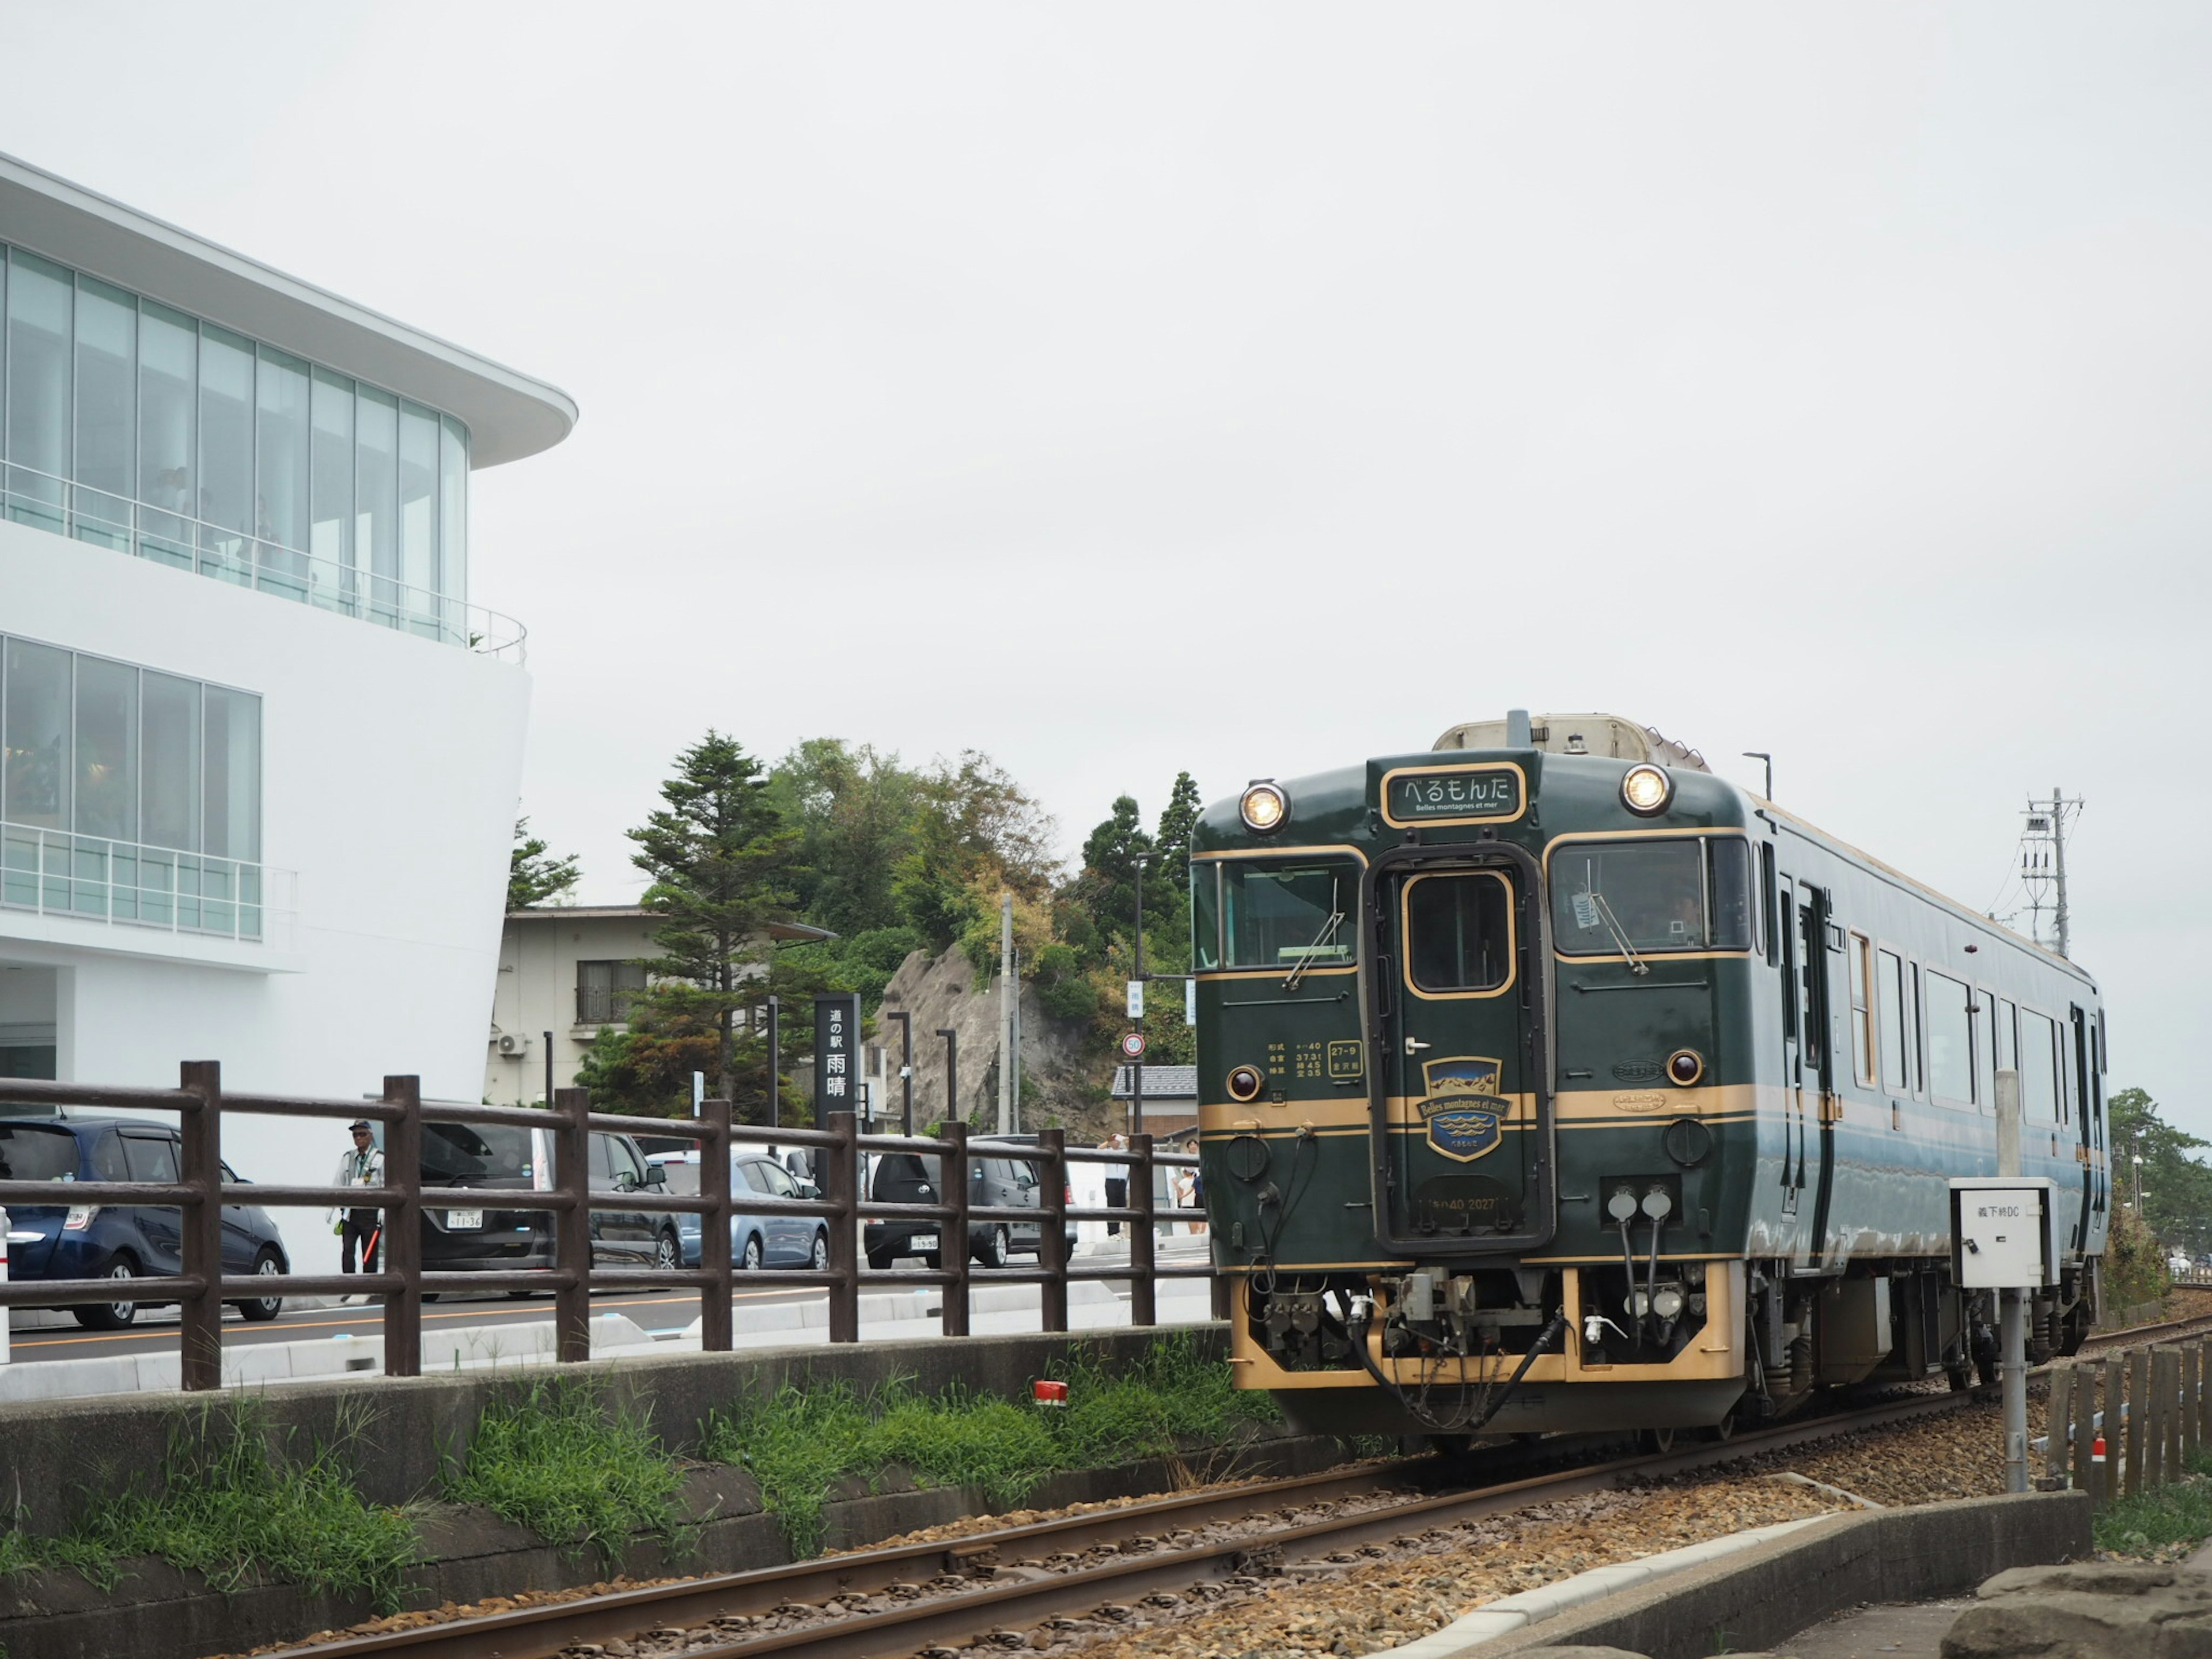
202	1288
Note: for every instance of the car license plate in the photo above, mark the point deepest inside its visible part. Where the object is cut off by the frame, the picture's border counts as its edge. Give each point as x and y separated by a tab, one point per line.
462	1220
921	1242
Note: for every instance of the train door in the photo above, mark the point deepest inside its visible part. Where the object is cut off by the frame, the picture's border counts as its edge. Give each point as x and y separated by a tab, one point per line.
1788	946
1464	1107
1823	942
2091	1099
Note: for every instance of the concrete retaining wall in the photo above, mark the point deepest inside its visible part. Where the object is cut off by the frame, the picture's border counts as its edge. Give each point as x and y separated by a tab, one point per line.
1760	1597
56	1454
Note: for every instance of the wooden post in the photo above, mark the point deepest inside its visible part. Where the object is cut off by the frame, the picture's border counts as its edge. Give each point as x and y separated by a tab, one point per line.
2114	1391
2204	1393
400	1250
1052	1237
2138	1395
717	1312
1144	1287
952	1240
572	1226
2166	1367
2192	1382
200	1127
2085	1432
2156	1474
2058	1419
840	1185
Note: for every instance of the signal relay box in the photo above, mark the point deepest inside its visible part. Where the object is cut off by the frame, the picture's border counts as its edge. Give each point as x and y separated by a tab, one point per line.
2004	1232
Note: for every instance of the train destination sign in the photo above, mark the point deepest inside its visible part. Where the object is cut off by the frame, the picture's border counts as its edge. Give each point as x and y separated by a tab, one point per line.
1476	792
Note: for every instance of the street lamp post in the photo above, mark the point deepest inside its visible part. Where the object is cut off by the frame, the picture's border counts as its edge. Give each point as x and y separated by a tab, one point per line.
905	1067
952	1072
2138	1162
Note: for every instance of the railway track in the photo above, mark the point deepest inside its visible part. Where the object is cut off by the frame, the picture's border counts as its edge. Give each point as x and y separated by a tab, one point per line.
960	1590
2163	1331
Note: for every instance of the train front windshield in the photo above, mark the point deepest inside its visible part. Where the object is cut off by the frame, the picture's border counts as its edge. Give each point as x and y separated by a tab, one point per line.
1690	893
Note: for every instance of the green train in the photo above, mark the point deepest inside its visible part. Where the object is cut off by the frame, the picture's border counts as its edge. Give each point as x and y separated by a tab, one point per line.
1549	1081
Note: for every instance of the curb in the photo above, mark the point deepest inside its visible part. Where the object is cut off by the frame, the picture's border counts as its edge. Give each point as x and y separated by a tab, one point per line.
1509	1613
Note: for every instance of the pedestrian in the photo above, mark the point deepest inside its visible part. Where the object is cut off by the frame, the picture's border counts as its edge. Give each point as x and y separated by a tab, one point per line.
1117	1180
357	1230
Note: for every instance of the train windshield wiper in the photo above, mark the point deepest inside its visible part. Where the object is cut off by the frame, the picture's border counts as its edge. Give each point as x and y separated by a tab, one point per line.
1321	941
1591	910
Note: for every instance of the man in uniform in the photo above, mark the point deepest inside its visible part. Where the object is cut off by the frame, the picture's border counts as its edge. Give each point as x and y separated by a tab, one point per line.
357	1230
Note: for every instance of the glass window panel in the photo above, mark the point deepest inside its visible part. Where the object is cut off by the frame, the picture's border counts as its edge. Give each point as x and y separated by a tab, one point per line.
1950	1041
453	510
1863	1059
226	493
2038	1069
1648	894
40	301
106	403
1891	1021
280	505
169	762
1204	917
230	823
106	749
34	784
168	389
376	487
1280	916
1730	862
330	536
1459	932
418	503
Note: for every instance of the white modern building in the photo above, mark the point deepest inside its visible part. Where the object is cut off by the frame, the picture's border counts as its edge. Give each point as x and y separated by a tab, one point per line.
259	754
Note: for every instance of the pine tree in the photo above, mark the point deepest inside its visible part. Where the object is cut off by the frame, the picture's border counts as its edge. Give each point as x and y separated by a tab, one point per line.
1180	818
723	866
533	875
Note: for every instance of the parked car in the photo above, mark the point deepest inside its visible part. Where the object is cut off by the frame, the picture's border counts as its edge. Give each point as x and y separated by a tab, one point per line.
756	1241
912	1178
118	1240
502	1159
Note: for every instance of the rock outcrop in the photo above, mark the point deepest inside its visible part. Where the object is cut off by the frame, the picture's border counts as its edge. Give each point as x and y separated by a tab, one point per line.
942	993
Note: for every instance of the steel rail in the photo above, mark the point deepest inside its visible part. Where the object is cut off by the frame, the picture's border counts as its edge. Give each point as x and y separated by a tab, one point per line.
2127	1334
543	1633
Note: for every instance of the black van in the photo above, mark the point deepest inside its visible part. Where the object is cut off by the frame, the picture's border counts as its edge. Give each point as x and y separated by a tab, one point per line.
912	1178
504	1161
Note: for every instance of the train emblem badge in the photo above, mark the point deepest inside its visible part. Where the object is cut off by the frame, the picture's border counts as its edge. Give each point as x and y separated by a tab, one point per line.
1463	1108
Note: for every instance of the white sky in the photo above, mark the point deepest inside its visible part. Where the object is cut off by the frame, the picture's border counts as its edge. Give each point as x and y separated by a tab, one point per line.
1836	381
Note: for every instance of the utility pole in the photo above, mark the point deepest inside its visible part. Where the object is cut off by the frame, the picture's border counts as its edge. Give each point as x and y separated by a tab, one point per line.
2042	866
1018	1037
2012	1302
1137	1067
2058	862
775	1067
1006	1014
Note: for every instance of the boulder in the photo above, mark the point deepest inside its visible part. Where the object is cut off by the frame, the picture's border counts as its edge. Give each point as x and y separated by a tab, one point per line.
2090	1610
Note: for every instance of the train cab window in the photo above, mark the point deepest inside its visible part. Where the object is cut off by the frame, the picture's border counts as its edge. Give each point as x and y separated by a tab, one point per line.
1278	915
1950	1041
2038	1069
1862	975
1890	989
1204	917
1459	932
1686	893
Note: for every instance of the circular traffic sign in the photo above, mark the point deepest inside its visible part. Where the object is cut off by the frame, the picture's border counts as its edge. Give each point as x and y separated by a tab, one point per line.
1132	1045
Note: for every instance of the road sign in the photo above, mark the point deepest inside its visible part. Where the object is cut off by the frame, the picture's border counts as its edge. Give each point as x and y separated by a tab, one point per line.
1136	999
1132	1045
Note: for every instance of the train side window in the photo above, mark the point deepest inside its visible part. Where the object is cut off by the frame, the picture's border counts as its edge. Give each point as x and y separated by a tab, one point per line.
1916	1046
1773	942
1728	873
1459	932
1890	990
1985	1050
2039	1068
2008	1048
1861	973
1204	917
1785	936
1811	1028
1950	1041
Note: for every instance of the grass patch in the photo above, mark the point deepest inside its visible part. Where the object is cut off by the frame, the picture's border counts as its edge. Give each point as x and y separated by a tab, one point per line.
801	1440
231	1512
2178	1513
562	1459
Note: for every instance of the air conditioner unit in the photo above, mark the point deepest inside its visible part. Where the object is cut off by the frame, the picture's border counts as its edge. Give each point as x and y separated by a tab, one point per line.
511	1046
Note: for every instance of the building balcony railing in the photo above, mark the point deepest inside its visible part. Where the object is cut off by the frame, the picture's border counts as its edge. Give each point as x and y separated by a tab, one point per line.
164	536
95	878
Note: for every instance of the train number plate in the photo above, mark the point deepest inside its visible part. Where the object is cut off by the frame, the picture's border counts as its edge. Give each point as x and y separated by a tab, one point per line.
462	1221
1465	792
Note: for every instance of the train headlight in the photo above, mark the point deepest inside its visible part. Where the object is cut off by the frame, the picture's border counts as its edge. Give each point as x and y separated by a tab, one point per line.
1646	790
1263	808
1668	1303
1245	1083
1685	1066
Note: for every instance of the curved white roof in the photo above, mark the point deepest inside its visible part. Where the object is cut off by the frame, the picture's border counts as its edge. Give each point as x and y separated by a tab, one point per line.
509	415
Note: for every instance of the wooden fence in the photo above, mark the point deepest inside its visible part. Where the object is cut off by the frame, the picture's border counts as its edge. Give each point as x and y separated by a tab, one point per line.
2150	1408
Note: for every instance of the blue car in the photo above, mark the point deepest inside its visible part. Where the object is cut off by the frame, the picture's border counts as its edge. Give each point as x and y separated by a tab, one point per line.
756	1241
120	1241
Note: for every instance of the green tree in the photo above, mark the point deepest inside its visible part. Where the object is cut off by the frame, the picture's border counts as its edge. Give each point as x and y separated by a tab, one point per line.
2176	1189
724	864
533	874
1180	818
856	809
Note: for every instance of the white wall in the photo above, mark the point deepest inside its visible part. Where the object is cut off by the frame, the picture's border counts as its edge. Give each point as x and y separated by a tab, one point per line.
390	770
536	993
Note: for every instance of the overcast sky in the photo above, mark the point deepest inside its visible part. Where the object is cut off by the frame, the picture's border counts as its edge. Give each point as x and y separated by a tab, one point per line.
1255	388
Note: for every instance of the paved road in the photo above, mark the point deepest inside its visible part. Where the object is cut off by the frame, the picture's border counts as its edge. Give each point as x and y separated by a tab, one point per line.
45	1336
156	1331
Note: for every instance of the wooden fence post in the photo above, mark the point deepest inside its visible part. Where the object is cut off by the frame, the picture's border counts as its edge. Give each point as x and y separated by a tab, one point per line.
200	1128
572	1226
400	1249
718	1317
952	1242
1052	1237
2166	1366
840	1185
2058	1419
2114	1434
1144	1240
2085	1432
2192	1378
2138	1395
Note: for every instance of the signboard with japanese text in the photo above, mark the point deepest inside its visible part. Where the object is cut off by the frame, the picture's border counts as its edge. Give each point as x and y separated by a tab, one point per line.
836	1054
